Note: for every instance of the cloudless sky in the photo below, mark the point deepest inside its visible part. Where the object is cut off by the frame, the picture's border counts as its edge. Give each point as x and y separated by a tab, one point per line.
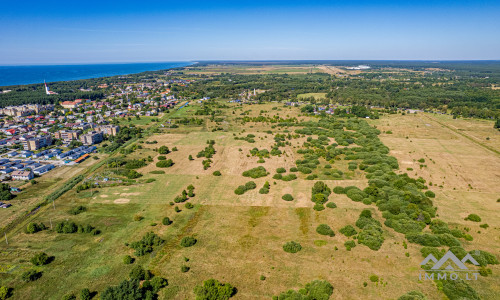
49	32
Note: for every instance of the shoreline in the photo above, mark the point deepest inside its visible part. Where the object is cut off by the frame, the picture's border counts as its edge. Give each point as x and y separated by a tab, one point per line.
92	71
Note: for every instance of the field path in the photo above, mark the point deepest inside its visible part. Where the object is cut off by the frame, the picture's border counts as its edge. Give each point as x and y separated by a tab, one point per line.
472	139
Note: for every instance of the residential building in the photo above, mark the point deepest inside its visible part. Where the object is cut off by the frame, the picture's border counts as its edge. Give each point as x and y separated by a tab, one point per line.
67	135
23	175
36	143
91	138
108	129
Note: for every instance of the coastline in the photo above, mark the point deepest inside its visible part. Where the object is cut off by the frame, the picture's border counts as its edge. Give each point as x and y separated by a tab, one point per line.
35	74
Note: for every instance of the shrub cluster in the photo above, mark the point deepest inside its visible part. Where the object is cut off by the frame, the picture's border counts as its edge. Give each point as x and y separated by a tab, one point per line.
188	241
165	163
34	227
72	227
349	245
146	244
317	290
265	188
348	230
292	247
287	197
473	218
324	229
371	233
256	172
213	289
240	190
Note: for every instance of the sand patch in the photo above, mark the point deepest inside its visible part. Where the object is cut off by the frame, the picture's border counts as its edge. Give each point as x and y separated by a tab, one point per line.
121	201
104	196
130	194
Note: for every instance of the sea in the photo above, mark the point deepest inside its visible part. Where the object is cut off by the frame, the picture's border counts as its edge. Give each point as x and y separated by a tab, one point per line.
17	75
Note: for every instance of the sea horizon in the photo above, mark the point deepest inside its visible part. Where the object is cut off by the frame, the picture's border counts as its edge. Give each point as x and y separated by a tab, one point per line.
11	75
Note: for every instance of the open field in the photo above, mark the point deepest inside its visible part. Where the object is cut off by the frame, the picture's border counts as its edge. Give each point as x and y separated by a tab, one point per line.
240	237
249	69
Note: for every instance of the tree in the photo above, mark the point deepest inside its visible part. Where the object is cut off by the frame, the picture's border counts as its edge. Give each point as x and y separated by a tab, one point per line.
40	259
188	241
164	163
85	294
163	150
31	275
5	192
214	290
324	229
127	259
4	292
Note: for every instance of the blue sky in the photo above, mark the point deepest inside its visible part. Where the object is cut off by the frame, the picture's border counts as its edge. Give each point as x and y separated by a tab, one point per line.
48	32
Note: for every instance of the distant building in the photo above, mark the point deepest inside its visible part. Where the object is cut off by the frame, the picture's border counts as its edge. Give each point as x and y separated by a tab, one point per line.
108	129
23	175
36	143
43	169
91	138
67	135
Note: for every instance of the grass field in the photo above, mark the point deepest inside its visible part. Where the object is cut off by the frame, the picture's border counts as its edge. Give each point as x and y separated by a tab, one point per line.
240	238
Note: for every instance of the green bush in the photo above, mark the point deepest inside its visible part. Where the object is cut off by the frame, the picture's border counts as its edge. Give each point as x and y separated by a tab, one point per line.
127	259
161	157
374	278
349	245
217	173
287	197
331	205
348	230
240	190
318	207
40	259
430	194
413	295
164	163
4	293
292	247
315	290
184	269
166	221
255	172
280	170
147	244
250	185
163	150
214	290
289	177
77	210
324	229
34	227
188	241
473	218
85	294
189	205
31	275
338	190
139	273
458	289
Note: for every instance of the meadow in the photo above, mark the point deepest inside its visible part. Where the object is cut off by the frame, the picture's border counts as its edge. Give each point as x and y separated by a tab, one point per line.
240	238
